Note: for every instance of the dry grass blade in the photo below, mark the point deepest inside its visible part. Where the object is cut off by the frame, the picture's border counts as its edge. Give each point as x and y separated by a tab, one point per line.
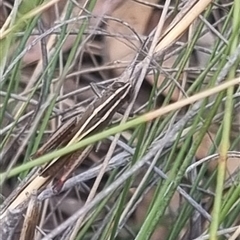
31	218
182	24
236	234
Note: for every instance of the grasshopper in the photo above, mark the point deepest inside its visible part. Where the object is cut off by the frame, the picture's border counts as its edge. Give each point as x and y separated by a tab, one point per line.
96	117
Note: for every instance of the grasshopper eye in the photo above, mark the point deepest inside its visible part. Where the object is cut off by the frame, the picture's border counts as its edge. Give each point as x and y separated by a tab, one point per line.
118	85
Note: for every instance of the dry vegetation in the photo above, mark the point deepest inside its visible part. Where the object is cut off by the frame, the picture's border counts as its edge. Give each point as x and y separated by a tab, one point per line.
168	166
